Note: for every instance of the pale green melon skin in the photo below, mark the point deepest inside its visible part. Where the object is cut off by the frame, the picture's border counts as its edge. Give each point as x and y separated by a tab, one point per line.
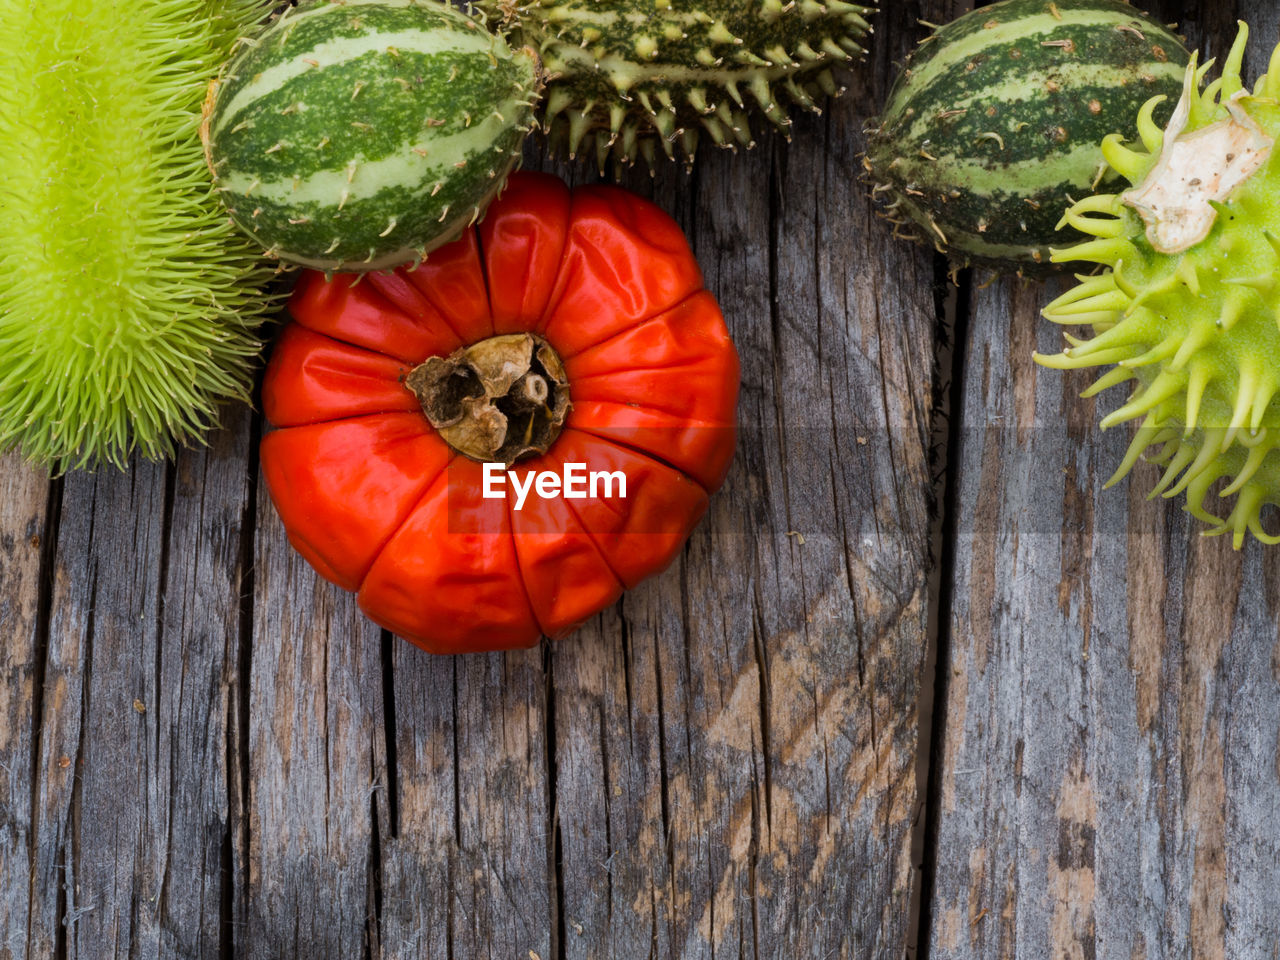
363	134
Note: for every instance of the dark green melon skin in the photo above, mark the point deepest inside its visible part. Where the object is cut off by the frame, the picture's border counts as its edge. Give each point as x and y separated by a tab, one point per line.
366	108
1083	81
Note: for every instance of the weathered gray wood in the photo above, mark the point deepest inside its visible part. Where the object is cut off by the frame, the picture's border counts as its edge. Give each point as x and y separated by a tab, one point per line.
723	762
721	765
130	794
1108	783
200	690
735	742
645	865
420	861
315	759
24	529
468	872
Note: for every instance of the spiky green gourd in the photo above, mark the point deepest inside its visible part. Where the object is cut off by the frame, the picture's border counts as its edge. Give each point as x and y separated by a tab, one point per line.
128	303
362	134
630	79
1188	303
993	126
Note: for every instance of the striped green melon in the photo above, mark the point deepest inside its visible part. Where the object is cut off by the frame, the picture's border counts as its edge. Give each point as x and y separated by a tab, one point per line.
627	78
993	127
361	134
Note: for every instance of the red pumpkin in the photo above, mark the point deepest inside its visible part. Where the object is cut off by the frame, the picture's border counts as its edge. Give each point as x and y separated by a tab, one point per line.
379	502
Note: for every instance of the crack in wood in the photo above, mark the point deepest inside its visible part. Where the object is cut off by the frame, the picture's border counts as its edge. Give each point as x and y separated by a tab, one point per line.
766	741
663	773
953	312
555	840
170	476
46	574
240	667
389	731
72	844
607	794
373	940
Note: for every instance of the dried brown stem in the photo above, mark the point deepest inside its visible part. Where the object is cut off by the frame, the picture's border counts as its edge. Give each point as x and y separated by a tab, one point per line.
499	400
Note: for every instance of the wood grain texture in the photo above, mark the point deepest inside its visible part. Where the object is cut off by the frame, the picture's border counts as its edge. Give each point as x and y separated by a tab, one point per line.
25	526
207	752
1108	782
736	743
315	759
130	813
210	753
467	869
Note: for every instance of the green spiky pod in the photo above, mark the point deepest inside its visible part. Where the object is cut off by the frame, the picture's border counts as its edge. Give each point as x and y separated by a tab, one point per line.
128	303
629	79
362	134
1188	302
992	127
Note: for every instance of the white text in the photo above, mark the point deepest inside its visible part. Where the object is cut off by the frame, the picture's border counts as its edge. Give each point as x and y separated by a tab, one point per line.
574	483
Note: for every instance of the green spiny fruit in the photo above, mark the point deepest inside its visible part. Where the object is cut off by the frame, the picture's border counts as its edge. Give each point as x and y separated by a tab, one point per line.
362	134
993	126
626	78
1188	302
128	303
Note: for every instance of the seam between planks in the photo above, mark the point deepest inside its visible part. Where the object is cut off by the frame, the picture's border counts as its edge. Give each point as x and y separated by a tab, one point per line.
949	405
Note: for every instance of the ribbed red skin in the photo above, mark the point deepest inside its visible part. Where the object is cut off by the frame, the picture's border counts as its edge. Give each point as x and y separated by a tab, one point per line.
378	503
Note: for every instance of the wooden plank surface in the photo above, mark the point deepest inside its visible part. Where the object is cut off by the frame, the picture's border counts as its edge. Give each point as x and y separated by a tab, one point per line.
26	526
1108	781
314	758
129	786
209	753
748	747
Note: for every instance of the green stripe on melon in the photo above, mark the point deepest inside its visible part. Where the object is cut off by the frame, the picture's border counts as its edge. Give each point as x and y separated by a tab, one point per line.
363	134
992	129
